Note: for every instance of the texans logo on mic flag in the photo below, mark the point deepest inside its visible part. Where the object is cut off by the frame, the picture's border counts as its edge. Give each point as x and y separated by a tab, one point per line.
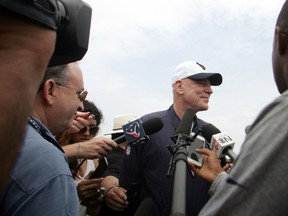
134	131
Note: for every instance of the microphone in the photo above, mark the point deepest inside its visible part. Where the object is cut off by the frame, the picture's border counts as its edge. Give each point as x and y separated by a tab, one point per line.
186	123
219	142
145	208
179	161
136	130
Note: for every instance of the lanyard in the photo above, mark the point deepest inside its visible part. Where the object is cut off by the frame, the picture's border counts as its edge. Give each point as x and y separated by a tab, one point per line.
43	132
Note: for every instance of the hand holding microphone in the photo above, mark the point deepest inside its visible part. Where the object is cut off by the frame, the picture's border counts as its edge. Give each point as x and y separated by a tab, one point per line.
220	145
219	142
211	166
100	146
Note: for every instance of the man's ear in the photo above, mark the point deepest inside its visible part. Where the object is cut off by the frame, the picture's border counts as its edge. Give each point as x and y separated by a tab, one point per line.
179	86
281	40
49	91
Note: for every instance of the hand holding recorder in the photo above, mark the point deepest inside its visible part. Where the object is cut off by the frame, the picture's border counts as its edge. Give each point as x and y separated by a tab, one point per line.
211	165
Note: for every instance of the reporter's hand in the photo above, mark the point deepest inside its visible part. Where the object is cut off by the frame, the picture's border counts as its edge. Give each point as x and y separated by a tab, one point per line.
88	188
228	166
116	199
81	120
96	147
211	165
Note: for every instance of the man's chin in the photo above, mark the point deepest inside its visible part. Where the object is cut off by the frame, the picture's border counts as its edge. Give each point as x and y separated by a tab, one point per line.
204	108
67	127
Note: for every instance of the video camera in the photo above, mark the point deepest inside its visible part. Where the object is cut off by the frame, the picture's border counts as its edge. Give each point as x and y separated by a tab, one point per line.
71	20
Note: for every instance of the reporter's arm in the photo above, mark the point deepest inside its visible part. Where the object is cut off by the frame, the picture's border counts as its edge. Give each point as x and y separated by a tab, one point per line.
109	182
91	149
217	182
72	151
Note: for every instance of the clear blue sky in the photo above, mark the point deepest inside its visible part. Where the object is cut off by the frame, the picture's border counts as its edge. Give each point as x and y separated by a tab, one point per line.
135	46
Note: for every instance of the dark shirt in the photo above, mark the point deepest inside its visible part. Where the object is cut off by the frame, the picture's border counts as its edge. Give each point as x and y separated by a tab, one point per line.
114	159
149	163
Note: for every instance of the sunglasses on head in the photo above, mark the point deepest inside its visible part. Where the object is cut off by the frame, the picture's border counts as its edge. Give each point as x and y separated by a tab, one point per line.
93	129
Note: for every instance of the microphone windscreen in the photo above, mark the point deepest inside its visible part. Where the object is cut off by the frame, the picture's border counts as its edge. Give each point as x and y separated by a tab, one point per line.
145	208
152	125
208	131
186	123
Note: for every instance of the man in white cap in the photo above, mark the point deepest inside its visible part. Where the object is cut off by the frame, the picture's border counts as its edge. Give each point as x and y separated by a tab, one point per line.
115	199
149	162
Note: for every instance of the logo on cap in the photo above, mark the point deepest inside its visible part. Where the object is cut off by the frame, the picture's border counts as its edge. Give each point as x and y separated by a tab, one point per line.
202	66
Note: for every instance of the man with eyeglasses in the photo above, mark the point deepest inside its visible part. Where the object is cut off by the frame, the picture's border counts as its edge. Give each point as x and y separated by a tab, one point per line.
80	92
41	183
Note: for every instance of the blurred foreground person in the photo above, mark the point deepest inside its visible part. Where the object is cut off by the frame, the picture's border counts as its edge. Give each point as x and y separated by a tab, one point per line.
27	42
257	184
25	50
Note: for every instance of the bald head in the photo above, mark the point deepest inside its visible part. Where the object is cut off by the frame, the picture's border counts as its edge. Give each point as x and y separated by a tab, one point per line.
282	20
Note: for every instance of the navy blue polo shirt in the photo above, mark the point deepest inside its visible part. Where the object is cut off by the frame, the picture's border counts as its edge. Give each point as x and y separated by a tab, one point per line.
149	162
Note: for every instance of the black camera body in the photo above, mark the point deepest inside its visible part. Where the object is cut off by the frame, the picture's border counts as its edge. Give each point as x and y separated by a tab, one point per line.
70	18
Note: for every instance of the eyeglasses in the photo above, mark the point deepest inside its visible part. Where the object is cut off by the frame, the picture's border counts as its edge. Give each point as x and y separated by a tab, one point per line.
81	93
93	129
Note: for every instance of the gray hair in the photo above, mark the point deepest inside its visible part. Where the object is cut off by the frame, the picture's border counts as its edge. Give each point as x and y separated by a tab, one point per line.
57	73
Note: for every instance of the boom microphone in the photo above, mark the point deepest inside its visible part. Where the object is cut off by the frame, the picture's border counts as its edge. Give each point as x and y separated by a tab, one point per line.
150	126
220	143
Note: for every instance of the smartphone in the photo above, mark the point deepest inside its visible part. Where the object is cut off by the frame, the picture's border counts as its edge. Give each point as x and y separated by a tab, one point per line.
193	156
103	164
133	189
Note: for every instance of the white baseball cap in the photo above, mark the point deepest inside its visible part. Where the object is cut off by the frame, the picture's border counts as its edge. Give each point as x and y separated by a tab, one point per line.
195	71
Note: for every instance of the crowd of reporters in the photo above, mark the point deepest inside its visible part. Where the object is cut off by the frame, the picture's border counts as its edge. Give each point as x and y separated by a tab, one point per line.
55	126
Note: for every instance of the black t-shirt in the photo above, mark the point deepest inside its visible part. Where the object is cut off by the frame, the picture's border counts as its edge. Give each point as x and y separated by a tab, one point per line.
114	159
